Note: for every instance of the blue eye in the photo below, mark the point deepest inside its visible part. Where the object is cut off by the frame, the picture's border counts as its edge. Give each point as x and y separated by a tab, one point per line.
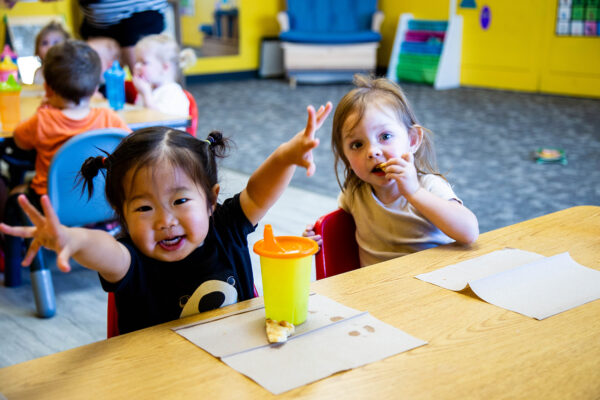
386	136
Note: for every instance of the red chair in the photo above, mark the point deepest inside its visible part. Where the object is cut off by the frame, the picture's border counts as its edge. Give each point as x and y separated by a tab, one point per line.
112	318
130	92
339	251
193	114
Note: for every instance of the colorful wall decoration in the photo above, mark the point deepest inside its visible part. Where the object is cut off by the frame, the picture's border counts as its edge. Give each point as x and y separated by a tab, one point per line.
578	18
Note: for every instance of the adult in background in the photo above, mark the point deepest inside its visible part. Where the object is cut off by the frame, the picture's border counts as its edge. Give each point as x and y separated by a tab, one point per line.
125	21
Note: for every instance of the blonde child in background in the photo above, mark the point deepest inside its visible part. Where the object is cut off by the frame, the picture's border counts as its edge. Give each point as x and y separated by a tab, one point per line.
182	252
156	73
48	36
401	204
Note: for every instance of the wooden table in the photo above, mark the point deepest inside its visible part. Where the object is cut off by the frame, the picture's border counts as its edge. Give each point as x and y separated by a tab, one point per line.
475	351
136	117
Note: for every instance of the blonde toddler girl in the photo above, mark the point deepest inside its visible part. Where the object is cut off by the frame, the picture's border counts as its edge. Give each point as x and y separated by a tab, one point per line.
156	73
400	202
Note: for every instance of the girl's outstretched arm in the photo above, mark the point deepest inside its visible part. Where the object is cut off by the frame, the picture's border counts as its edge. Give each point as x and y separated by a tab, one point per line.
271	178
92	248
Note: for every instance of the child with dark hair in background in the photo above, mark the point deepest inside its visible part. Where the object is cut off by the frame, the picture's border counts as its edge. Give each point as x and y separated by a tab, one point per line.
48	36
72	75
181	252
109	51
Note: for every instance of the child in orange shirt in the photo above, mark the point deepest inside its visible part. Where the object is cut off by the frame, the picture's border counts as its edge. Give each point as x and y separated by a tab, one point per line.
72	73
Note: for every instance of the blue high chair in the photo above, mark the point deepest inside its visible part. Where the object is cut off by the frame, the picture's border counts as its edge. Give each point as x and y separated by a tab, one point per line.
71	205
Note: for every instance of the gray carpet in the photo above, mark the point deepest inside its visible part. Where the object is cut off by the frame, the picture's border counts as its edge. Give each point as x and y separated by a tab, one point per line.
484	140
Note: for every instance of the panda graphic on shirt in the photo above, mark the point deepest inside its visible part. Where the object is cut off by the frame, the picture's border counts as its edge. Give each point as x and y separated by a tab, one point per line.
209	295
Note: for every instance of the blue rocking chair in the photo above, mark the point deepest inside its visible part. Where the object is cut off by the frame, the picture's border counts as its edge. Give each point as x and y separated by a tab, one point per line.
329	40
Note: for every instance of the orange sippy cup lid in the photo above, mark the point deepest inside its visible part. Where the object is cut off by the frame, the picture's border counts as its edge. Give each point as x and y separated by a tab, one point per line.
284	246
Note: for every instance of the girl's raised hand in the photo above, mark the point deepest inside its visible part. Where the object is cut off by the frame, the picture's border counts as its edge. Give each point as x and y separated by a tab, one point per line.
47	232
403	171
303	143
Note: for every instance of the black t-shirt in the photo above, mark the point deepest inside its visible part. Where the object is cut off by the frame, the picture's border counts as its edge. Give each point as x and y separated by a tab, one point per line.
216	274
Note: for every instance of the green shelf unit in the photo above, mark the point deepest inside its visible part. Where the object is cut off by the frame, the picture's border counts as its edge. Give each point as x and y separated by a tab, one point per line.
417	67
414	61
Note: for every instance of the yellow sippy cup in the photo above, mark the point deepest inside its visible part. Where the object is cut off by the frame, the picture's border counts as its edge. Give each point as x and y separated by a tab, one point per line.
285	263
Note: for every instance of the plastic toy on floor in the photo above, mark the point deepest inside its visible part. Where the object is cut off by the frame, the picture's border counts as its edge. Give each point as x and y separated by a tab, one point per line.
547	155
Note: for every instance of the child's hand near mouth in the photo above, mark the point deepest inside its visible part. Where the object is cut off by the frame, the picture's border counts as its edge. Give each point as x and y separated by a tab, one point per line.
403	171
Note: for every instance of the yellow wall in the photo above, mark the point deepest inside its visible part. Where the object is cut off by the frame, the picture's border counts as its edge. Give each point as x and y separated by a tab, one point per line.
507	55
570	65
519	51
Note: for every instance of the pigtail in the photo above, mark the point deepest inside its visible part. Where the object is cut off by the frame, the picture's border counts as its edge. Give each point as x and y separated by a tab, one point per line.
89	170
187	58
218	144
